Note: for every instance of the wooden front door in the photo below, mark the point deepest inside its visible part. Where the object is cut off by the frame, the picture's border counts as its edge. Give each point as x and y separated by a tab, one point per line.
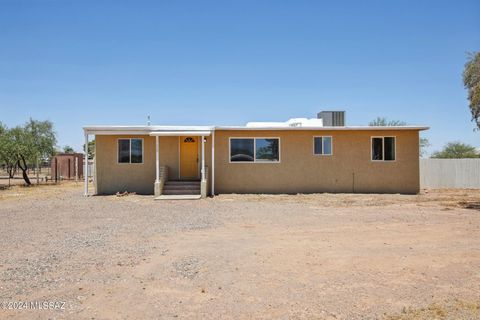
189	157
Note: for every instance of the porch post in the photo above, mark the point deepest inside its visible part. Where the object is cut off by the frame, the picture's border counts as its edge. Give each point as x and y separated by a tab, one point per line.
203	183
157	192
213	164
85	173
157	161
203	158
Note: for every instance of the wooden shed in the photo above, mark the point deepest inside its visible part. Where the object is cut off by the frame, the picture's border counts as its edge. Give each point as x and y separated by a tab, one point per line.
67	166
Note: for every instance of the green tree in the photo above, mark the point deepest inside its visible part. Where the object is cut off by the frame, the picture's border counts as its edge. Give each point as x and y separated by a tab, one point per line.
32	143
456	150
91	149
7	154
424	144
383	122
471	80
68	149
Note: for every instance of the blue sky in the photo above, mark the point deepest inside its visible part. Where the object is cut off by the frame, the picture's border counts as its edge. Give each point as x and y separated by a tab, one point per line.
229	62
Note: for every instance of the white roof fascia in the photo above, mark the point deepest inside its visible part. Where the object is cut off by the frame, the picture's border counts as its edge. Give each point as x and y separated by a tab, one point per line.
180	133
353	128
141	130
195	130
116	132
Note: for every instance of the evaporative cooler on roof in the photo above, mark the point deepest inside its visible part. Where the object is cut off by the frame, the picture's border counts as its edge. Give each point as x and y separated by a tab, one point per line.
332	118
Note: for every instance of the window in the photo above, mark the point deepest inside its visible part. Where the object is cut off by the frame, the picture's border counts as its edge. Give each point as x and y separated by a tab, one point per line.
242	150
136	150
383	148
266	150
124	151
130	150
254	149
322	146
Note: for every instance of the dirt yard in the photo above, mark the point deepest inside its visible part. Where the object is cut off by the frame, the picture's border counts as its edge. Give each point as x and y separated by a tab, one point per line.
321	256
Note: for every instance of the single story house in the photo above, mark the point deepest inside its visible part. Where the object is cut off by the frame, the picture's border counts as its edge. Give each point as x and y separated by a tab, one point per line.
297	156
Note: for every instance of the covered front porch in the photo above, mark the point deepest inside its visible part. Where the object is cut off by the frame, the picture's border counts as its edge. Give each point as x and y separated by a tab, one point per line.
191	181
168	162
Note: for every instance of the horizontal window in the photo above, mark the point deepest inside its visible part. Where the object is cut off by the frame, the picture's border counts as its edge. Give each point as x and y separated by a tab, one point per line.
383	149
322	146
130	150
254	149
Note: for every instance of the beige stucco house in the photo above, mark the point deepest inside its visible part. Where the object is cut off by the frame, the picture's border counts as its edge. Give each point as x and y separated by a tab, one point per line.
297	156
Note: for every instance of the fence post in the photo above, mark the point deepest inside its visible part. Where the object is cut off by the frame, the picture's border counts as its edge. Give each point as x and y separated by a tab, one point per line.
56	169
76	168
37	172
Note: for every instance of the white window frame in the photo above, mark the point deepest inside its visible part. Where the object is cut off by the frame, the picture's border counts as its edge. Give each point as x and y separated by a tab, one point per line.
130	151
323	147
383	148
254	150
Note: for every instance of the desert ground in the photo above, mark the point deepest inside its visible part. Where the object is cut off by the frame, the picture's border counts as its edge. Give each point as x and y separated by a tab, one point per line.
321	256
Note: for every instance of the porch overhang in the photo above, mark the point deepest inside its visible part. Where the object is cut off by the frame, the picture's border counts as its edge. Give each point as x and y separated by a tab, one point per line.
148	130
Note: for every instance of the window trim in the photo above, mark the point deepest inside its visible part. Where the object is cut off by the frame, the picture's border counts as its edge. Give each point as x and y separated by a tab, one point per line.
383	148
254	150
130	151
323	148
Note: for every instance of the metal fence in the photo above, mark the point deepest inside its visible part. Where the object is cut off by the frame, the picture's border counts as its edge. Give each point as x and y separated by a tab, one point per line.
450	173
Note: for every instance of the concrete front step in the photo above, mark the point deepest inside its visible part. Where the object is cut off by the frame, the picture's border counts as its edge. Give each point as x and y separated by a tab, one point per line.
179	197
182	182
180	187
184	187
179	191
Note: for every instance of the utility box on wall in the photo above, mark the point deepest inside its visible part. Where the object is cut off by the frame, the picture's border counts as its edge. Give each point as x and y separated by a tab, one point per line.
67	166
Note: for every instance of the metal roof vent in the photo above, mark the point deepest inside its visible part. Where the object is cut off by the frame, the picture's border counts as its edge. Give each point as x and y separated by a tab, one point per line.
332	118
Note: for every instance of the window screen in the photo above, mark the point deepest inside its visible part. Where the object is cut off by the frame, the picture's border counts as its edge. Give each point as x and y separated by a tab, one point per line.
389	143
136	151
327	145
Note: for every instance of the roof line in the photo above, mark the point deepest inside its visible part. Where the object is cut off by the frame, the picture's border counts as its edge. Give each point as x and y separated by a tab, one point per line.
367	128
150	129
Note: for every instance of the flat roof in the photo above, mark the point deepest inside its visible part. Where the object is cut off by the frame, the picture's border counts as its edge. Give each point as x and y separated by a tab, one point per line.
353	128
106	129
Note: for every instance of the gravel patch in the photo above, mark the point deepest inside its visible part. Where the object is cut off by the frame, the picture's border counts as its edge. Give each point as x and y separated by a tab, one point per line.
241	256
188	267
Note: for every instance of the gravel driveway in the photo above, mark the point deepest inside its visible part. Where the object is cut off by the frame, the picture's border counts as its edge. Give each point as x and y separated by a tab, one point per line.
319	256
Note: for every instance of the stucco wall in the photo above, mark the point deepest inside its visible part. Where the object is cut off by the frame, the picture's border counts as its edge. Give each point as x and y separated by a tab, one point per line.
349	169
140	178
